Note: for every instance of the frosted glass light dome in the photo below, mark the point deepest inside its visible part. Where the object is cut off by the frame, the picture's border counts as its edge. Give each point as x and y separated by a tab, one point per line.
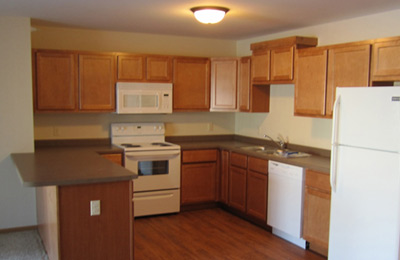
209	14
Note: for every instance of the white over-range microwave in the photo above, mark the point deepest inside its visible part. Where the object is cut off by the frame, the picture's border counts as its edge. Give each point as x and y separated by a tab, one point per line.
144	98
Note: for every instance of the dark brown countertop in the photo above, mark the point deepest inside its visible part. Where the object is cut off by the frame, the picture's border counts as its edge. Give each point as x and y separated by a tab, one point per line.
314	162
69	166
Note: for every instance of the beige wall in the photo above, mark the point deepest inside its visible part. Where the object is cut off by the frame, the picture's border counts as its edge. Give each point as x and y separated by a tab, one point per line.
17	204
302	130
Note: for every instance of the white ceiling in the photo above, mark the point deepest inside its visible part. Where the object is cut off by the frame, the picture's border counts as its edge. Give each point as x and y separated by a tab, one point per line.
246	18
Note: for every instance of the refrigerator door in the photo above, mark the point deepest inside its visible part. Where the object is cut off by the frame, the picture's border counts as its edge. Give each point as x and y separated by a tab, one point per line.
369	117
364	221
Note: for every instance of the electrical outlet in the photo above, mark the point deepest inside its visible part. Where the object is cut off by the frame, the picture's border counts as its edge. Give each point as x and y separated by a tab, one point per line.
94	207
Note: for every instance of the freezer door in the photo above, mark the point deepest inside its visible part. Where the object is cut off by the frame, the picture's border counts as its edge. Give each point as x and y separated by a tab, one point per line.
364	221
368	117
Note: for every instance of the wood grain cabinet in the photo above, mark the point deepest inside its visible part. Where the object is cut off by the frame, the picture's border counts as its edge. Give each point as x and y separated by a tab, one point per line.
238	181
385	60
224	177
321	70
257	184
199	176
152	68
224	84
55	80
70	81
113	157
316	211
272	62
191	78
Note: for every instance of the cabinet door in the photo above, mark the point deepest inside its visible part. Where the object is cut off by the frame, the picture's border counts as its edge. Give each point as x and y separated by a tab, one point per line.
131	67
282	60
244	84
224	84
159	68
224	175
198	183
256	205
260	67
237	188
191	84
347	67
55	81
310	88
385	61
97	82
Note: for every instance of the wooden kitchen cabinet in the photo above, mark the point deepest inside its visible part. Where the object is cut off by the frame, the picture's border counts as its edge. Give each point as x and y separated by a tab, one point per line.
55	80
199	176
224	84
140	68
113	157
273	61
191	78
224	177
244	84
347	66
237	181
257	185
385	65
97	82
316	210
310	88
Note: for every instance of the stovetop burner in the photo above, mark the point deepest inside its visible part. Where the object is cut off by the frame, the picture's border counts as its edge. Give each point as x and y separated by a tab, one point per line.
131	145
160	144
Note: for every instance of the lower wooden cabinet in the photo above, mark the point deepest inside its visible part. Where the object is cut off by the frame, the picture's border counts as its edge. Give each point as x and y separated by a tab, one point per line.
199	176
237	188
224	176
316	211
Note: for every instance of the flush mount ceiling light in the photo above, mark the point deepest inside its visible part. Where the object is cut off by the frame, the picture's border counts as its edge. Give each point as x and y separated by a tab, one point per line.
209	14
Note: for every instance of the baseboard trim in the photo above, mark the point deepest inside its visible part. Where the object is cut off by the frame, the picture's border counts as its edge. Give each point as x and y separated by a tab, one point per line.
8	230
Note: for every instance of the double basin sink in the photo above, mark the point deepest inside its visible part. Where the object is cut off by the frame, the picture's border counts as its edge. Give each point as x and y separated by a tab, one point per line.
274	151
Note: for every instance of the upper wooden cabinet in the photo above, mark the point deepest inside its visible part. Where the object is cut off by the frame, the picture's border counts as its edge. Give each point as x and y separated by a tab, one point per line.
224	84
72	81
153	68
310	88
191	80
385	60
55	80
321	70
272	62
244	93
97	82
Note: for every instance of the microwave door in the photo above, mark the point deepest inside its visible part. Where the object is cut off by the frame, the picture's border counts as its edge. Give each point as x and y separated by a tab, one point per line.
138	102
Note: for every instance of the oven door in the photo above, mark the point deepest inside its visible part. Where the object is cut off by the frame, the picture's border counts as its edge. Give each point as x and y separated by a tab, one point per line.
157	170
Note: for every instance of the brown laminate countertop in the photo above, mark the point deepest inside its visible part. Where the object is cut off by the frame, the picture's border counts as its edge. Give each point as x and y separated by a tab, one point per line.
313	162
69	166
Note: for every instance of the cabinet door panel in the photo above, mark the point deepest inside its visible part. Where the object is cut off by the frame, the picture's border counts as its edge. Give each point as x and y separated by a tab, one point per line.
224	84
260	67
310	88
256	205
347	67
224	176
385	61
198	183
191	84
244	84
56	81
97	82
131	67
159	68
282	60
237	188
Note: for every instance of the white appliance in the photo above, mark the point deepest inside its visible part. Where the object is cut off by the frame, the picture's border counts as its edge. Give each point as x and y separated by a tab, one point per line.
144	98
365	174
285	201
157	163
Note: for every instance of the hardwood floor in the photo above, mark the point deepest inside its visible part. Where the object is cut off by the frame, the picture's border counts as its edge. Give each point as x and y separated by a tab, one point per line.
210	234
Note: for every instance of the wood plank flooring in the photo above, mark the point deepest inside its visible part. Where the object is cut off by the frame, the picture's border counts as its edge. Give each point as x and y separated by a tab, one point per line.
210	234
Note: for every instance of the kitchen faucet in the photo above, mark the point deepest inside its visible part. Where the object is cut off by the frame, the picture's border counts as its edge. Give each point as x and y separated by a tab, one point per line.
281	141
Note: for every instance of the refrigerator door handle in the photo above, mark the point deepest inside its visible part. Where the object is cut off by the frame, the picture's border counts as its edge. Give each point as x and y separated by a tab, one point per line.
336	115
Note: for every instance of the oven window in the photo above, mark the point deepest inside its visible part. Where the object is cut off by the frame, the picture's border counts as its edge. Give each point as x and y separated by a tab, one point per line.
153	167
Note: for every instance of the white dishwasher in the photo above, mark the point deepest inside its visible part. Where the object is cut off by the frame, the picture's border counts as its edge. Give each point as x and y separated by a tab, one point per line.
285	201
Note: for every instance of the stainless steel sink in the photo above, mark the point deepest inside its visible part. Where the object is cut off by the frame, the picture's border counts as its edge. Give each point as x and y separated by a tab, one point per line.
260	149
278	152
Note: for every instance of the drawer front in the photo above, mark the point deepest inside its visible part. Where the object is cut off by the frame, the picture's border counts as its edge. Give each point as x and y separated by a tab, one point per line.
239	160
258	165
199	156
318	180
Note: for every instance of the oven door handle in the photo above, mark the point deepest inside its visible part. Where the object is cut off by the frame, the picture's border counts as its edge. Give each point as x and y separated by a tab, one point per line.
140	156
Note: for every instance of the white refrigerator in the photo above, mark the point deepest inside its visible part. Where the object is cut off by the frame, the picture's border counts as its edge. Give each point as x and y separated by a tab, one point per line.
365	174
